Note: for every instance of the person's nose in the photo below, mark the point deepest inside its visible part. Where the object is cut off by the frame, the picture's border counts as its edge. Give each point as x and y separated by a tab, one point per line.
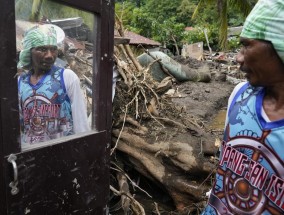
240	57
49	54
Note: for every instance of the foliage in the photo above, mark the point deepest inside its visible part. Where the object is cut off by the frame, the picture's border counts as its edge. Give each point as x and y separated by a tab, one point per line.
206	22
138	3
242	7
185	11
198	35
133	18
158	19
161	20
170	33
233	43
161	10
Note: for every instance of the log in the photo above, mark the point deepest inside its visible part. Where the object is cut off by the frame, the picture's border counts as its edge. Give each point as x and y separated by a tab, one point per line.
170	164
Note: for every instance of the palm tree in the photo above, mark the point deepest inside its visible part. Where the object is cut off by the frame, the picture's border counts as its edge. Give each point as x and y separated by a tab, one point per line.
244	6
36	7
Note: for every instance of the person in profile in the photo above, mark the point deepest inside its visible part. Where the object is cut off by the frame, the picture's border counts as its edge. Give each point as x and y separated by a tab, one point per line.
51	102
250	175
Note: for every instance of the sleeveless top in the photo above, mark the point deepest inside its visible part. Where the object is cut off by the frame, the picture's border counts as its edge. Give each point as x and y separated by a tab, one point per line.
45	108
250	174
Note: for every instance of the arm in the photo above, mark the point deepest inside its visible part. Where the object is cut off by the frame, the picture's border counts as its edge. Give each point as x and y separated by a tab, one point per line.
78	102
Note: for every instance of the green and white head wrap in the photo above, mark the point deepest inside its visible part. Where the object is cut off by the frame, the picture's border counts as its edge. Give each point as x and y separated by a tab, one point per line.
266	22
39	35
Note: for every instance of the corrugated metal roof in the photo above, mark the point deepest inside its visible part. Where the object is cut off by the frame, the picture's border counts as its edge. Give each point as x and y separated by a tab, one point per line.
137	39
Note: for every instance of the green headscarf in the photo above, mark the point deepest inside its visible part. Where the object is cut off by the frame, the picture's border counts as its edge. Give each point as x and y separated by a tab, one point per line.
39	35
266	22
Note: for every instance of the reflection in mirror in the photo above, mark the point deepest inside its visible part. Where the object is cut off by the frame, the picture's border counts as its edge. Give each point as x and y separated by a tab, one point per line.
55	57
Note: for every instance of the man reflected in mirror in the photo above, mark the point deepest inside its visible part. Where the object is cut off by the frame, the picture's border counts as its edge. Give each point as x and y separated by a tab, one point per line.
51	102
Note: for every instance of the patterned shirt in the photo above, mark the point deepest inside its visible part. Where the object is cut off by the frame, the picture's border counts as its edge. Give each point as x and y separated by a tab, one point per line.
45	109
250	175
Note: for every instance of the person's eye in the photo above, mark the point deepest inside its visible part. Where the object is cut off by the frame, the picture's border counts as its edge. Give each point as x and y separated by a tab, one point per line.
54	49
245	44
41	49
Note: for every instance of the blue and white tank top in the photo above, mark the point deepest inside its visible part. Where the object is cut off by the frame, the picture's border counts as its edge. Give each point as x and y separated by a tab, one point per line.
45	109
250	174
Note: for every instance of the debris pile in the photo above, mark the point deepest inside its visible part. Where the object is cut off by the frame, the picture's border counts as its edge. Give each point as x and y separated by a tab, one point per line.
157	137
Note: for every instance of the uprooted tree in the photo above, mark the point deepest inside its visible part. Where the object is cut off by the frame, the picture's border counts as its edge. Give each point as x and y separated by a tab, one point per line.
156	137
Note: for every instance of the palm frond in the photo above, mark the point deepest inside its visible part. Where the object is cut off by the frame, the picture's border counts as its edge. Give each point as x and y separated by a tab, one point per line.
197	8
244	6
199	5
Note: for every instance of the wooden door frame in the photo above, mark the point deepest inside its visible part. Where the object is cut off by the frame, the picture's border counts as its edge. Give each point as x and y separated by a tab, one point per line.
102	78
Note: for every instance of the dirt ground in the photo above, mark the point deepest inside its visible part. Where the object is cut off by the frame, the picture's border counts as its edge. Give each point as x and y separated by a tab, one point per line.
206	100
205	103
195	104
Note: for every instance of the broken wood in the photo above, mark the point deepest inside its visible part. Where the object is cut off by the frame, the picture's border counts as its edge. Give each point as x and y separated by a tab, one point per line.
147	127
126	46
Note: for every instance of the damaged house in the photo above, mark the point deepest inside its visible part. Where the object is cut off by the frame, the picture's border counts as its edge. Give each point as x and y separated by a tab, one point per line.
139	43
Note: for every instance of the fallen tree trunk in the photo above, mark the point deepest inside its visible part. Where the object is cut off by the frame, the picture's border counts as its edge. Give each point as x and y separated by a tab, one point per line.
173	165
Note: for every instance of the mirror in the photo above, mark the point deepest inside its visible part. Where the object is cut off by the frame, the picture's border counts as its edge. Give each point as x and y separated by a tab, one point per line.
55	66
